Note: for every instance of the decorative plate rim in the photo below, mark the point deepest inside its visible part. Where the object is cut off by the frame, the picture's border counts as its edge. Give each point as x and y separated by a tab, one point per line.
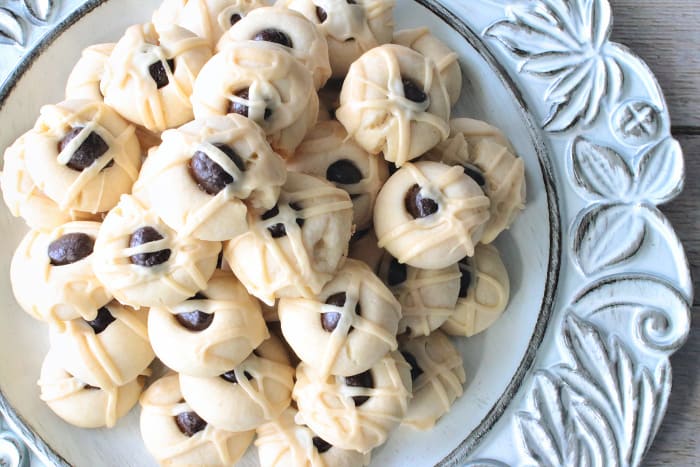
601	388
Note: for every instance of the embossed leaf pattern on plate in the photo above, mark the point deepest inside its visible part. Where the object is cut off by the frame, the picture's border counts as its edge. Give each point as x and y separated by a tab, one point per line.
602	410
613	229
39	10
565	43
11	28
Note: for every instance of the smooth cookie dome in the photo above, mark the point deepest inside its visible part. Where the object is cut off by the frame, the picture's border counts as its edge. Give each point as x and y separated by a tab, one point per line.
83	405
150	74
205	173
393	101
176	435
438	376
208	19
350	326
263	82
283	443
351	27
211	332
430	215
295	248
286	29
328	153
82	155
143	262
483	295
356	412
110	350
52	273
244	397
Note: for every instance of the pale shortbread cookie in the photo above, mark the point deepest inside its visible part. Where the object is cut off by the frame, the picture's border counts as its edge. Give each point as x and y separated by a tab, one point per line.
52	273
175	435
288	30
24	199
243	398
395	102
111	350
438	374
489	159
143	262
427	296
150	74
80	404
209	19
483	295
199	179
348	328
82	155
351	28
364	248
328	153
447	61
264	83
211	332
284	443
84	80
357	412
430	215
294	249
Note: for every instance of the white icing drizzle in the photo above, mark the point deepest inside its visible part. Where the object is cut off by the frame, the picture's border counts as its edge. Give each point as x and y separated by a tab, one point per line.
418	314
298	270
183	445
89	116
403	110
446	223
327	403
441	382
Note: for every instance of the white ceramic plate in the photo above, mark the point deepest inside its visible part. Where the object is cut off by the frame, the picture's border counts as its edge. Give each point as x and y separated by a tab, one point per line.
577	370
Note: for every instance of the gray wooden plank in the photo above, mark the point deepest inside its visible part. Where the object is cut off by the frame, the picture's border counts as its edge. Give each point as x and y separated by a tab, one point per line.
677	442
666	35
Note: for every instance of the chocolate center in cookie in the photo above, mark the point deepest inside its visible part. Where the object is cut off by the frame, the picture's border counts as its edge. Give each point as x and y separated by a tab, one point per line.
397	273
242	109
330	319
91	149
210	176
147	235
417	206
321	14
344	172
235	18
465	279
158	73
104	318
274	35
321	444
475	174
363	380
230	376
279	230
189	423
196	320
198	296
70	248
416	371
412	92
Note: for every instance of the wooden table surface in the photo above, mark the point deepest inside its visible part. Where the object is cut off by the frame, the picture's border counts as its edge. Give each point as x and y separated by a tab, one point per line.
666	34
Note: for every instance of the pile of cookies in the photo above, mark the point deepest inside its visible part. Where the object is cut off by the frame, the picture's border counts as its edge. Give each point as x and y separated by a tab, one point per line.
274	202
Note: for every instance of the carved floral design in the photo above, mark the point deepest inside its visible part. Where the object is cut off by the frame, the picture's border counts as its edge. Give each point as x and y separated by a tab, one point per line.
18	18
565	43
613	228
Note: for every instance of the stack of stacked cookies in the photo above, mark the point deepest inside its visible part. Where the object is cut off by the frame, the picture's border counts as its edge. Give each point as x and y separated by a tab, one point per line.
275	203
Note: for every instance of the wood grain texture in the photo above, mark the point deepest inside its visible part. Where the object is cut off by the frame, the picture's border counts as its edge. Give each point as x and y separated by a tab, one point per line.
666	35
